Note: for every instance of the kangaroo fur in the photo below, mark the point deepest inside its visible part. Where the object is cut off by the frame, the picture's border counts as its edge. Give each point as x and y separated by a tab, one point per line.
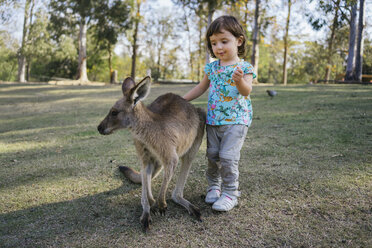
165	132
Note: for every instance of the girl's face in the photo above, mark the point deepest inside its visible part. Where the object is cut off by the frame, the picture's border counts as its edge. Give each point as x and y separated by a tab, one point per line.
225	47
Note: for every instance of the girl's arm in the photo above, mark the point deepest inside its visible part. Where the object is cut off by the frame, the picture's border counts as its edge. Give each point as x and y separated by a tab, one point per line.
243	82
198	90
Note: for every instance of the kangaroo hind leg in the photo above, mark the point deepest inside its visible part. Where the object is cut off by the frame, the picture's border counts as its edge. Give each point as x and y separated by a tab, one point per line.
177	194
149	167
170	164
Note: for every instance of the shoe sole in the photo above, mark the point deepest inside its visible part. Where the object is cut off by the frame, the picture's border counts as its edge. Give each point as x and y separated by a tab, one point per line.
224	210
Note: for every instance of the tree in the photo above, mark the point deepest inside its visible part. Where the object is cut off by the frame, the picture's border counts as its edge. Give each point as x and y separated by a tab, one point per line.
28	12
112	19
8	57
336	9
367	57
350	67
359	50
160	34
209	5
136	20
198	7
285	60
39	46
187	25
331	39
201	43
255	37
65	16
5	9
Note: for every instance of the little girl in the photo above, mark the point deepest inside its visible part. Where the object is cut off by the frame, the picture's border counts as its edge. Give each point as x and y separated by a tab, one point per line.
229	80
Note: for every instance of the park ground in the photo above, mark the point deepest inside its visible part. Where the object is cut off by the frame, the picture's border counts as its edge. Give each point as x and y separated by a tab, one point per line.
305	172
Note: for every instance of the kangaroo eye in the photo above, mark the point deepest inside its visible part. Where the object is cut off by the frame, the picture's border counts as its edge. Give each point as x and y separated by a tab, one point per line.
114	113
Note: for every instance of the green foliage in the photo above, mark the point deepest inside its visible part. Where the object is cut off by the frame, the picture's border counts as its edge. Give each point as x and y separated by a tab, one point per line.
105	20
160	37
8	57
7	9
367	57
111	20
270	62
52	46
61	62
307	65
47	58
318	19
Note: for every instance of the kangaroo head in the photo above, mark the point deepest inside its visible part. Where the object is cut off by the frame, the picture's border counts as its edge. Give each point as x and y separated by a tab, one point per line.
121	115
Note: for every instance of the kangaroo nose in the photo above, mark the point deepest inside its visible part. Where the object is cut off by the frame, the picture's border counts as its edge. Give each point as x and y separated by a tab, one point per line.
100	129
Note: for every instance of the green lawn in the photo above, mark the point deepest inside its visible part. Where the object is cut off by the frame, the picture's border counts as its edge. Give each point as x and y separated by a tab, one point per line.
305	173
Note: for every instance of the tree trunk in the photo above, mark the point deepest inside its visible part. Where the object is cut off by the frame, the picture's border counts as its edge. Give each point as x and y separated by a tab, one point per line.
286	44
111	78
135	37
114	77
200	66
360	44
21	53
28	71
82	69
191	64
255	39
158	71
210	16
21	68
350	68
330	43
246	23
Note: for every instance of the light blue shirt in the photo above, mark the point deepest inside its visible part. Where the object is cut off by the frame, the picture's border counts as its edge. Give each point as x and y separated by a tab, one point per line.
226	105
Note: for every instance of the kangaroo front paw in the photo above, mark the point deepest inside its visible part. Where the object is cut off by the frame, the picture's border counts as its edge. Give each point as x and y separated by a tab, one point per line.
162	210
162	207
146	221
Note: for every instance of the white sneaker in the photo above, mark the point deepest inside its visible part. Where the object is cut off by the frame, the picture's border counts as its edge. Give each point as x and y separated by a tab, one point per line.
213	194
225	203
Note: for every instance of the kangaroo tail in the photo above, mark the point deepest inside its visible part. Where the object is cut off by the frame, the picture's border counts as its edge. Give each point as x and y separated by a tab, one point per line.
132	175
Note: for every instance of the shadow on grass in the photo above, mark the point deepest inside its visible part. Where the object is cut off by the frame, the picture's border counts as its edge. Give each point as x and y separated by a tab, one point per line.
58	223
111	213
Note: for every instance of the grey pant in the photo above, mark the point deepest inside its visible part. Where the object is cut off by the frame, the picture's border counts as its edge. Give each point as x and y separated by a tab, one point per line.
223	151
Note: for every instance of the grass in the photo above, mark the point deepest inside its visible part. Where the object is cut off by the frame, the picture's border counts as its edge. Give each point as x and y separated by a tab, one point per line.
305	173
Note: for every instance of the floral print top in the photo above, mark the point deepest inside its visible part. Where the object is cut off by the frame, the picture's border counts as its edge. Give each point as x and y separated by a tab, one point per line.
225	104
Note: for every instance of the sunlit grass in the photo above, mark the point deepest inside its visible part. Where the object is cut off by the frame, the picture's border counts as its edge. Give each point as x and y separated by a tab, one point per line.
21	146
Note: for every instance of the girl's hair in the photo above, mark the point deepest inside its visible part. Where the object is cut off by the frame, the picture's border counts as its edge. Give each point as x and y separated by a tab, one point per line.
228	23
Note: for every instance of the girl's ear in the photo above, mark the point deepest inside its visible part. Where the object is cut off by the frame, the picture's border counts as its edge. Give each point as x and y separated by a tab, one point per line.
240	40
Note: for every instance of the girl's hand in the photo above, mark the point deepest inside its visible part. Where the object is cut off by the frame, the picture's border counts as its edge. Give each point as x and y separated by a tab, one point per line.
238	74
243	81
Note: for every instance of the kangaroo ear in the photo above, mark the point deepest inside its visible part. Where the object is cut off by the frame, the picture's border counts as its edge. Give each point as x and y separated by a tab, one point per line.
128	84
141	90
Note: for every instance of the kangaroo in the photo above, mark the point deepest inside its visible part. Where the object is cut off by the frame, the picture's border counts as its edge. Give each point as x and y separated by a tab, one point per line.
166	131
